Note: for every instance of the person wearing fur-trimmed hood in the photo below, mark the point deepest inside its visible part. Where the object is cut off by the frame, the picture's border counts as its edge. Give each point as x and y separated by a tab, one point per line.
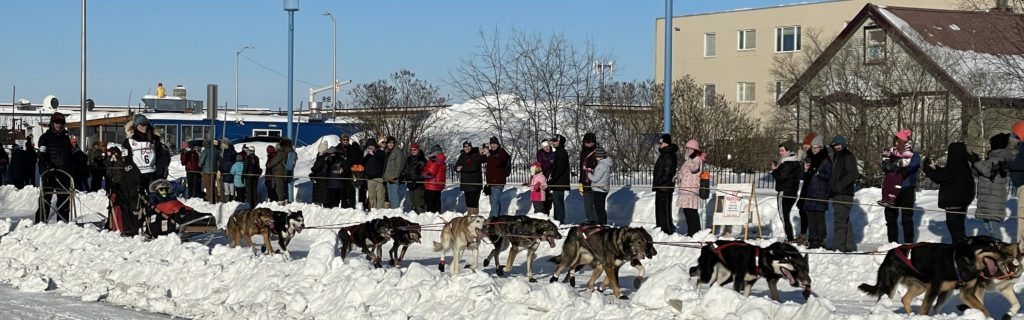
787	173
140	150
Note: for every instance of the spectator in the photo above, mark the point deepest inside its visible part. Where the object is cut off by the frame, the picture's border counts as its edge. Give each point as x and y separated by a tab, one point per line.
817	172
29	165
538	187
268	178
55	153
193	178
208	161
600	181
278	168
787	172
337	174
97	165
558	182
350	155
434	179
375	161
689	186
252	176
320	173
1017	175
546	158
841	190
587	164
22	167
902	165
163	157
142	149
5	160
804	154
469	166
393	172
227	160
664	183
79	166
992	174
115	170
498	168
413	178
237	170
815	155
956	187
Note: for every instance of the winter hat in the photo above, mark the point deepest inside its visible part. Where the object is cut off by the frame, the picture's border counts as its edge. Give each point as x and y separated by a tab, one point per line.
544	144
818	141
536	167
434	150
599	152
57	118
390	139
809	138
904	135
494	140
666	138
140	119
999	141
415	146
1018	129
839	140
344	136
467	144
271	149
789	145
693	144
589	137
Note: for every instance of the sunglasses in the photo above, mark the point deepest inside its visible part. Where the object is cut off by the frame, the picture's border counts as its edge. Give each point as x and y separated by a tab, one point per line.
163	189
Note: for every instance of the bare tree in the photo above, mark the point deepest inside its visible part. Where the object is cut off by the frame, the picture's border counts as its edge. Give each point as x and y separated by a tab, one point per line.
985	5
399	106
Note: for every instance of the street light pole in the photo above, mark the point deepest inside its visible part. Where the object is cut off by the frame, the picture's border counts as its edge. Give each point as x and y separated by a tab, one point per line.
84	140
667	108
224	131
291	6
334	65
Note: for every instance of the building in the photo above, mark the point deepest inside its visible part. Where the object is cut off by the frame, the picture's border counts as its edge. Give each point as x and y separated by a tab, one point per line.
731	53
948	75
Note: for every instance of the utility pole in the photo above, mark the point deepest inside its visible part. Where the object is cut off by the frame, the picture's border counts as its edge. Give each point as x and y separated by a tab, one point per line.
237	54
667	108
84	140
334	64
291	6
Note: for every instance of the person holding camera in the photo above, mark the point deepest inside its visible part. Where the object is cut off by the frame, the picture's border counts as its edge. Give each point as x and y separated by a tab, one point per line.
956	187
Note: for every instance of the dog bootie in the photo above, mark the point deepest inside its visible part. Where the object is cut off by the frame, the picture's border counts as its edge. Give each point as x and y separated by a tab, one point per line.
440	266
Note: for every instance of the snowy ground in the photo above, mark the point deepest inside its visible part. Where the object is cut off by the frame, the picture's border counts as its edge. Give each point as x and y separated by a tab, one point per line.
16	304
197	281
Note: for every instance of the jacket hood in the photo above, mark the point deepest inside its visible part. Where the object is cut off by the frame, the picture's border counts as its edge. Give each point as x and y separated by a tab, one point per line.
957	153
159	183
1002	154
561	141
791	157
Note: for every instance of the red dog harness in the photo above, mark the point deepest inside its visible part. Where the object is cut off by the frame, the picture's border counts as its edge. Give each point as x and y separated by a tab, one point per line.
757	254
900	253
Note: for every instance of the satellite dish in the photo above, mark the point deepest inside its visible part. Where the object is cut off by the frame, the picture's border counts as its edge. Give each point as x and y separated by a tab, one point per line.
89	104
51	102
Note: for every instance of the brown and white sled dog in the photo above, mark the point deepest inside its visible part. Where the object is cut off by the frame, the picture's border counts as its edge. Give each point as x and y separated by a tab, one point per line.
518	233
244	224
605	250
1013	263
458	235
935	269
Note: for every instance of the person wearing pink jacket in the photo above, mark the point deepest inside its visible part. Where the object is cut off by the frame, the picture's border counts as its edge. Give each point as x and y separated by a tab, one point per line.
689	186
538	187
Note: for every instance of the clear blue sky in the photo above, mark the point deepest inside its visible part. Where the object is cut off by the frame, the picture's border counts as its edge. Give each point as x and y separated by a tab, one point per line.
135	44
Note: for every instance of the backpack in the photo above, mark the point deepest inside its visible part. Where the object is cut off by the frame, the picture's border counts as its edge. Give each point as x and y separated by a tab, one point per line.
289	163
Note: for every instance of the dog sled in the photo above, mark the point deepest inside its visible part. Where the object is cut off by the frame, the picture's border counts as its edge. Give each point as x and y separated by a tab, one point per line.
62	185
162	214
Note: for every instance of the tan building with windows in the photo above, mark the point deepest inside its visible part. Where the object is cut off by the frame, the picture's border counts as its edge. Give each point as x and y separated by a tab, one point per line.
731	52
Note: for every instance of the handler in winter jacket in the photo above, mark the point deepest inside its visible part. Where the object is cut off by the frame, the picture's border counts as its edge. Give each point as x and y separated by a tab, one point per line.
469	165
956	188
434	179
664	183
55	154
141	150
841	190
498	168
587	163
600	180
992	174
558	182
393	171
787	173
413	177
689	186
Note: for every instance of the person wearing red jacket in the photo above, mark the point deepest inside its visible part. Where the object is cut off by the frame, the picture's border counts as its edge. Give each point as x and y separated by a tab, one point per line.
193	179
434	178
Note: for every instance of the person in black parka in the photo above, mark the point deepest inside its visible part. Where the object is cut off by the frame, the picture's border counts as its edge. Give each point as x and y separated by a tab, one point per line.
787	173
956	187
664	185
471	179
55	152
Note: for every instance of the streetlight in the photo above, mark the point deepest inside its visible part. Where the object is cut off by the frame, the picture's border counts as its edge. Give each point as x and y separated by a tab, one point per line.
291	6
667	108
334	64
84	139
224	130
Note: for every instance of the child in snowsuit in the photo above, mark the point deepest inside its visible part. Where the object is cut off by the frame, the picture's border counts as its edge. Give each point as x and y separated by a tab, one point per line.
170	212
538	187
895	158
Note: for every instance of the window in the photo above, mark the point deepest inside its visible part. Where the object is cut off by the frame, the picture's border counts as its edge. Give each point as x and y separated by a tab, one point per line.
266	132
709	44
745	92
874	45
194	132
748	39
709	94
787	39
780	89
169	132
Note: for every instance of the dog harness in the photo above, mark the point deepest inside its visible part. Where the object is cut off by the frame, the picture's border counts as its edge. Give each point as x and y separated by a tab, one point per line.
587	231
900	253
956	270
757	254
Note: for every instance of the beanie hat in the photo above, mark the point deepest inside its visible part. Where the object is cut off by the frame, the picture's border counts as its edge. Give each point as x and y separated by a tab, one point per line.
536	167
693	144
818	141
789	145
666	138
140	119
589	137
467	144
57	118
494	140
809	138
544	144
434	150
999	141
904	135
344	136
839	140
599	152
1018	129
415	146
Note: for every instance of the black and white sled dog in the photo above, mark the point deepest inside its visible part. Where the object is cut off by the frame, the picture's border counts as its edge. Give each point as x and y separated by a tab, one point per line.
286	226
743	264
